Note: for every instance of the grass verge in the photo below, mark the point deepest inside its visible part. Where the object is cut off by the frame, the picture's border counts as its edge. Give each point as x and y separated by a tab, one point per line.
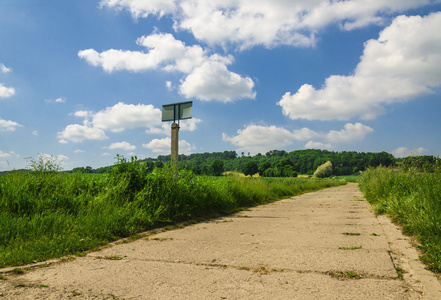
48	214
413	200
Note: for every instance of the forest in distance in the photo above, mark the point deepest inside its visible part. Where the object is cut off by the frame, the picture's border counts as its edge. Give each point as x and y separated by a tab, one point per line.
278	163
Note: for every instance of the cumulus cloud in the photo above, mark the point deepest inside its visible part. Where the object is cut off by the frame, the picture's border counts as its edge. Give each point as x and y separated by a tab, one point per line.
119	118
164	51
259	138
350	133
163	146
404	152
403	63
8	125
123	146
213	81
123	116
207	76
116	118
79	133
264	22
6	92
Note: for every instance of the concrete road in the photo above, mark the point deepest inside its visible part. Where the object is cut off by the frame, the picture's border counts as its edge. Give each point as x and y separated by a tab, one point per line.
321	245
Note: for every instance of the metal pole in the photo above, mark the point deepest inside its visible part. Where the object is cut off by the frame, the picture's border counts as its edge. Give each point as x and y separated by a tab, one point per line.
175	146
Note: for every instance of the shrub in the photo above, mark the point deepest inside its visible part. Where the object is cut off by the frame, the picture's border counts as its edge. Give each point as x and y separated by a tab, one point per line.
324	170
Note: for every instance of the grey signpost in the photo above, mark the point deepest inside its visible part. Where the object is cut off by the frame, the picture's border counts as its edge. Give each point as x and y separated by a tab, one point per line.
175	112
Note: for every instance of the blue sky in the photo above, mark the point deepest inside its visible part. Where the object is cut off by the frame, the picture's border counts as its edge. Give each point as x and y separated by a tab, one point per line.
86	80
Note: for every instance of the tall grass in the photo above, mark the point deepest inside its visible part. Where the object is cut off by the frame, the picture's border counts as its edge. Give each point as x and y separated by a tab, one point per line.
51	214
413	200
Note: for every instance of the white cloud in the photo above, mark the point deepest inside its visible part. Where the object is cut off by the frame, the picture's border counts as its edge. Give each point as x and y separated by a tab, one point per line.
169	85
318	145
58	100
8	125
404	152
305	134
35	133
83	114
79	133
208	77
123	116
4	69
403	63
189	124
142	8
122	145
350	133
4	154
259	138
163	146
79	151
213	81
6	92
265	22
164	51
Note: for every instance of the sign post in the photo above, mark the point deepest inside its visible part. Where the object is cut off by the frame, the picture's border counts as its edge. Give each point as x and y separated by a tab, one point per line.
175	112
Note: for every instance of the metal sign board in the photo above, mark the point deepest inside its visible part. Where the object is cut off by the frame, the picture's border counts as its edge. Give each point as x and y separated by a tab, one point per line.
177	111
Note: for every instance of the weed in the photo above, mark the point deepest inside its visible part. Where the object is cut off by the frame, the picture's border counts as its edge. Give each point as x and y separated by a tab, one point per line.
351	233
115	257
341	275
350	248
2	277
76	293
400	273
17	271
43	286
374	234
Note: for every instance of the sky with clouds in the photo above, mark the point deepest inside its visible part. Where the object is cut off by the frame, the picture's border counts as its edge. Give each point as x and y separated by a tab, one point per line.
86	80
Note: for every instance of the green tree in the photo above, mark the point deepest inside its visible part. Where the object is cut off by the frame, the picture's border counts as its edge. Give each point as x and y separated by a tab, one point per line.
250	168
263	167
217	167
288	171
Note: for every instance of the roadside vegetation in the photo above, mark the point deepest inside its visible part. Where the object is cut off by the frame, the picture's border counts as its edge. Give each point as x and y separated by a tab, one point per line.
45	213
411	196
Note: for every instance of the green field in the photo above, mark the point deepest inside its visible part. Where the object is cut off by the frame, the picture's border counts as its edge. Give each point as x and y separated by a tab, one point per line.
46	213
411	199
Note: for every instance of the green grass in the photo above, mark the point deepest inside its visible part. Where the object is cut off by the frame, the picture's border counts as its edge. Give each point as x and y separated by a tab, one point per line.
47	214
413	200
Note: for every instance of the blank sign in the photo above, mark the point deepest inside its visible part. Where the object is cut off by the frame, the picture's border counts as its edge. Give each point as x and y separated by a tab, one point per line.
177	111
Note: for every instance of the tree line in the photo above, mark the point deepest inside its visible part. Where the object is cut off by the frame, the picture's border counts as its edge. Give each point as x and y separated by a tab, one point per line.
278	163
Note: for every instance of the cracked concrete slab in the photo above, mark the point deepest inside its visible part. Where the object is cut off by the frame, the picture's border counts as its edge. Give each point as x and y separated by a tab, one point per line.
320	245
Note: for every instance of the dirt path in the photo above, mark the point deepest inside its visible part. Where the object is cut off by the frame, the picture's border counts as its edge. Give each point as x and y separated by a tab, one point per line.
321	245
